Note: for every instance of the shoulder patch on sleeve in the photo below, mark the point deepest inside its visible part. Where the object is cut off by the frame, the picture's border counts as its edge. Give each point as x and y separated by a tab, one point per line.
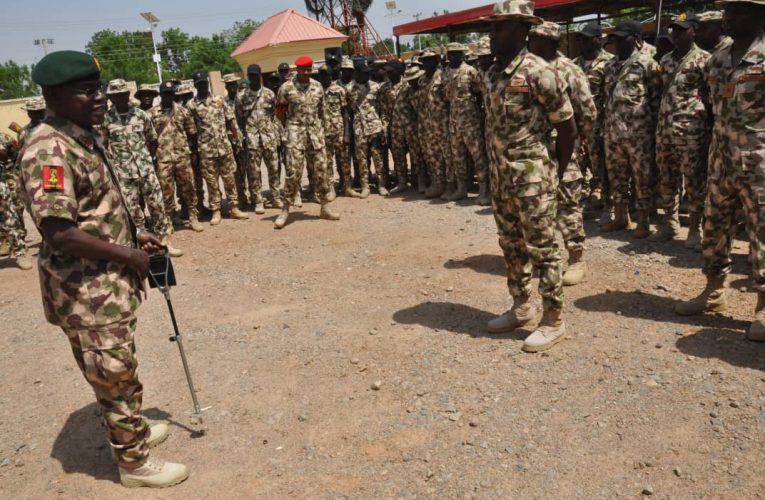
53	178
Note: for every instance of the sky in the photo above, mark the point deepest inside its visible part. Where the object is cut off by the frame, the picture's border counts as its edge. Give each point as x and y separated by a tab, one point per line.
70	23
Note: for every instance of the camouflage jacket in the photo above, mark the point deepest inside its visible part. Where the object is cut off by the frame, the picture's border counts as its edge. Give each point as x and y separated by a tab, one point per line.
685	98
126	137
595	70
404	114
9	149
363	101
387	97
335	101
525	100
737	94
434	101
174	127
460	85
305	102
256	114
632	96
211	115
66	175
724	42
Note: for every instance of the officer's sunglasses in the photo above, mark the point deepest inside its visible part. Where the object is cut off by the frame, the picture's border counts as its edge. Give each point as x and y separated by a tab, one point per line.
89	89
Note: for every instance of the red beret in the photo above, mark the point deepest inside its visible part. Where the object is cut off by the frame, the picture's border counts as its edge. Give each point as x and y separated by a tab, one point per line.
303	61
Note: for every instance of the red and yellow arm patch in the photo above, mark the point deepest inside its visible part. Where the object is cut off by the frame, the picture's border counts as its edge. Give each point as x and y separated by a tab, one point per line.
53	178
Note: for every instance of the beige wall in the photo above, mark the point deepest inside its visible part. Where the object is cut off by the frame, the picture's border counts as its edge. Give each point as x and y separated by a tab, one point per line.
269	57
10	111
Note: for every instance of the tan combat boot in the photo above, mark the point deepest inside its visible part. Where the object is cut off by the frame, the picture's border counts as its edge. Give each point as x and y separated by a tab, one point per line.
576	268
550	331
23	262
522	312
5	248
382	188
158	433
238	214
621	220
154	474
448	191
756	331
327	213
693	241
331	195
260	207
484	196
643	229
281	221
350	193
668	229
607	216
297	200
194	223
435	190
422	181
460	193
712	299
215	218
171	250
402	186
276	202
364	188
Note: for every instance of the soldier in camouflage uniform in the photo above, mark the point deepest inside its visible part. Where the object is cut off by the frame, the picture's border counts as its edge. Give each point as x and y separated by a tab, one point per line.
543	41
682	133
131	140
145	95
231	100
10	223
388	95
526	101
347	71
632	99
92	260
214	122
435	124
300	108
465	131
367	128
184	92
736	79
403	134
709	34
593	61
485	61
175	130
257	118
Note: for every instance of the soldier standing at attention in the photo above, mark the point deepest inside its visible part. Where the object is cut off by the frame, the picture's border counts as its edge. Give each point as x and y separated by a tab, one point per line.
485	61
347	71
131	141
214	122
736	79
465	131
527	100
10	223
257	118
709	34
435	141
630	126
389	92
593	61
92	260
402	124
682	133
175	130
300	108
231	99
406	126
367	128
146	94
543	41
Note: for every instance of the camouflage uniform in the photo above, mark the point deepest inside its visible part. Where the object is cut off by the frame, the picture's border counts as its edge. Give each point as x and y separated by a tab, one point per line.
632	100
216	156
335	100
174	126
525	99
240	153
93	301
465	131
256	113
386	100
737	162
682	133
126	137
10	223
404	136
304	136
367	128
435	132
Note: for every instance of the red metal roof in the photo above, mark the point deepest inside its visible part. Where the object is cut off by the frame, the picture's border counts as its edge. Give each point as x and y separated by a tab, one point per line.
286	26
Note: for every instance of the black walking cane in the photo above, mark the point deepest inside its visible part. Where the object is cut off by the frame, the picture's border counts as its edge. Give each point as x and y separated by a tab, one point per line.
162	277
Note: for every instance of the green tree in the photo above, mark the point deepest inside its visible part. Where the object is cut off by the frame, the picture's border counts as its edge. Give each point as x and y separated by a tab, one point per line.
125	55
16	81
175	50
239	32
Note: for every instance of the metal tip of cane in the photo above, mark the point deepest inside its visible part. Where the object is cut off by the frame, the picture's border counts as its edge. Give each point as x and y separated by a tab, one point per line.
196	420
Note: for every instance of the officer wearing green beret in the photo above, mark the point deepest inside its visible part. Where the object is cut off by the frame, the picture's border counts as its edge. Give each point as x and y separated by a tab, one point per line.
92	261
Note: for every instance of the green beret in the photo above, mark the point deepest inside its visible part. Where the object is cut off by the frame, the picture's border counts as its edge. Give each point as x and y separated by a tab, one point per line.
65	66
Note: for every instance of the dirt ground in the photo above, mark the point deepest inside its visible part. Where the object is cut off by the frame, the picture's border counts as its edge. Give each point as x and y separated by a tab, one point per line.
349	360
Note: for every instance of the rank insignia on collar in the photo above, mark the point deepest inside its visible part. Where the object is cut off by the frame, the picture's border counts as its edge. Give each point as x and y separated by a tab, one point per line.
53	178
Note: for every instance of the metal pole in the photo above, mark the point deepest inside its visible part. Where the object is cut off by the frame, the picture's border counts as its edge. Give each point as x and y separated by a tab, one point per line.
156	55
177	339
659	5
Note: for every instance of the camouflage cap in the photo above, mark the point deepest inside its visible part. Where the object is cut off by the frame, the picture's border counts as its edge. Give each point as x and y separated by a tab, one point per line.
167	87
34	104
346	63
428	53
184	88
150	88
547	29
118	86
484	47
377	63
711	16
413	73
456	47
231	78
518	10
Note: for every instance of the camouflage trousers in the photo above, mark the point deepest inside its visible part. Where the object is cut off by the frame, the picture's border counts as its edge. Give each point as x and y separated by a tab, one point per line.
180	173
225	167
270	156
434	152
369	145
338	158
241	174
467	139
726	192
526	228
631	158
593	166
146	188
682	165
106	357
9	221
569	218
404	141
296	162
199	185
14	185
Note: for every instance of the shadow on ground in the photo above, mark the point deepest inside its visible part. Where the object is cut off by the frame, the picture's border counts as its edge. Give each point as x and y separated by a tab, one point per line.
726	345
487	264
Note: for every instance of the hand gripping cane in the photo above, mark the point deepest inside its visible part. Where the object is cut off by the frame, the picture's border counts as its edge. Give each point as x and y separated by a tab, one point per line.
162	277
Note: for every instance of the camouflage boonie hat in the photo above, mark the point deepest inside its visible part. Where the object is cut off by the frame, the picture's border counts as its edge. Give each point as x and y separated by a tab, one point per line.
711	16
184	88
413	73
34	104
230	78
547	29
150	88
346	63
456	47
484	47
428	53
118	86
518	10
